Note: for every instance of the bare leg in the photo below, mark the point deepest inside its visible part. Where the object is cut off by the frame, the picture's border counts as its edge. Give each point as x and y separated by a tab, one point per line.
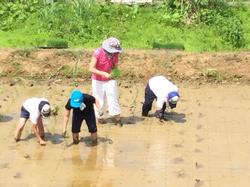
75	138
19	128
117	117
118	120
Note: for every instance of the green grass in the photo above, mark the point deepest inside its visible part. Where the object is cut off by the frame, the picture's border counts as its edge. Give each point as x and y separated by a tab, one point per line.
244	14
137	27
20	39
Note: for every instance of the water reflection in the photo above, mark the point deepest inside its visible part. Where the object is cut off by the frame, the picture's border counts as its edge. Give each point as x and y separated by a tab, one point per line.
39	153
108	155
91	161
87	166
76	156
83	161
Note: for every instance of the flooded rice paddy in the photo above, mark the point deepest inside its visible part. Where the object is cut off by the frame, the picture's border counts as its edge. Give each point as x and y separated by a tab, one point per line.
205	142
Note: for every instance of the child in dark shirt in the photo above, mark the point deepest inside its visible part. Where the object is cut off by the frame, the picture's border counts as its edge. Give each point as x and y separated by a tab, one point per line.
83	109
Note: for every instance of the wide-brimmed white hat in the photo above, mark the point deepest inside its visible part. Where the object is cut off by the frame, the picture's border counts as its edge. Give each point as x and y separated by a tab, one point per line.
112	45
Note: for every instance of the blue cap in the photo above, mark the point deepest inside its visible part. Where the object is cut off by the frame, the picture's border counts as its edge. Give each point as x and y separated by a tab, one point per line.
173	99
172	94
76	99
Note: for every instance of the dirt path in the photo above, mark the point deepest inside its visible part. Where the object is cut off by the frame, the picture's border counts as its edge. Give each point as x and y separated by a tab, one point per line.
205	142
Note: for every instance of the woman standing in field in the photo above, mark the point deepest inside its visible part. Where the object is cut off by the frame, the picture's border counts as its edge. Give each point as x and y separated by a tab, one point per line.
104	88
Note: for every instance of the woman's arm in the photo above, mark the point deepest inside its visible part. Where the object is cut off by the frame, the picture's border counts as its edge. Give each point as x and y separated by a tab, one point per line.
93	69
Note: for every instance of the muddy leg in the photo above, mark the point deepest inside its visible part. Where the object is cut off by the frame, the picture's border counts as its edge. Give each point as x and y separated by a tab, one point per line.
75	138
19	128
94	138
118	120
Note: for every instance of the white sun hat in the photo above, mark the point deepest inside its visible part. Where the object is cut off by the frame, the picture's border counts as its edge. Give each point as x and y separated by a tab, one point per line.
112	45
46	109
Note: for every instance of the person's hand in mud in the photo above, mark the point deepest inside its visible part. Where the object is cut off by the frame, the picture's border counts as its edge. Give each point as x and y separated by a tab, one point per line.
159	114
64	134
38	136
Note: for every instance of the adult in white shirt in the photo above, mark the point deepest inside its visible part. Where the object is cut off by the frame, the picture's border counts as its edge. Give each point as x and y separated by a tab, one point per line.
34	109
165	93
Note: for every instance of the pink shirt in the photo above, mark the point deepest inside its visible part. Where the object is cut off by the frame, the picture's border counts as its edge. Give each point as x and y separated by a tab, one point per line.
104	63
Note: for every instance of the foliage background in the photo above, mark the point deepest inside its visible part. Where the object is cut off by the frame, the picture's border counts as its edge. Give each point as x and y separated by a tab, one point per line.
198	25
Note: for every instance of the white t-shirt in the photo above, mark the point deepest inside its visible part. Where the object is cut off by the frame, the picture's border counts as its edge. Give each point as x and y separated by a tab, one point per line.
161	87
31	105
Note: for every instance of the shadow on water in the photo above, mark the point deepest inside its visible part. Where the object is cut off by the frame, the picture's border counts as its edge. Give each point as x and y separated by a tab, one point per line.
176	117
27	138
131	120
88	142
173	116
128	120
53	138
4	118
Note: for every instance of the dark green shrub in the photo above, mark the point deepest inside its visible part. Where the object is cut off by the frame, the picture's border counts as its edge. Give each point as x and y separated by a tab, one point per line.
15	13
179	46
57	43
231	31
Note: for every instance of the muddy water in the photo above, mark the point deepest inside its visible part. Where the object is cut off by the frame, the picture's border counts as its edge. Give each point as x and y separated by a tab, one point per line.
204	143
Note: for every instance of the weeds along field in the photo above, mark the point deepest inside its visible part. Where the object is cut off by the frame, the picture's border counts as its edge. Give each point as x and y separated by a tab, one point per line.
191	25
61	65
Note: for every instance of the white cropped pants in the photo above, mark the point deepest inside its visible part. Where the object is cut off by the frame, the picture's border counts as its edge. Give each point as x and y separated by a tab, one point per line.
106	92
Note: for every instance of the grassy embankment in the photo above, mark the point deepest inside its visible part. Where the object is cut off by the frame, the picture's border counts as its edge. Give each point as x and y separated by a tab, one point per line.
86	25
